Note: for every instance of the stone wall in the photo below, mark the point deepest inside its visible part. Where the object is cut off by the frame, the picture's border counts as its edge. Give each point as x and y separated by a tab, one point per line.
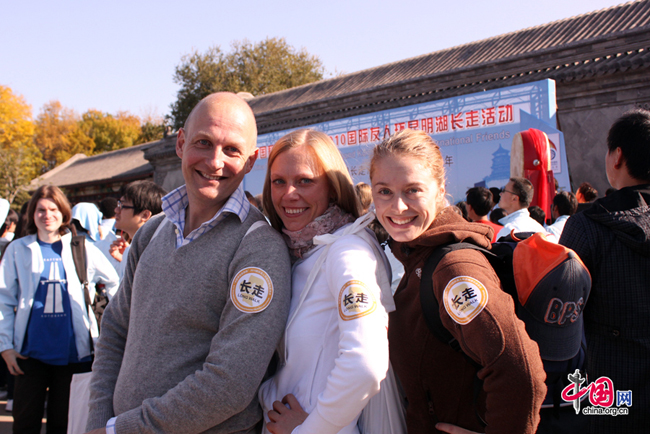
167	165
586	110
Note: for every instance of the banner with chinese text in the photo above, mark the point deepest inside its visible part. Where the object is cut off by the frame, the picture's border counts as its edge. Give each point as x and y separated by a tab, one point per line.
474	133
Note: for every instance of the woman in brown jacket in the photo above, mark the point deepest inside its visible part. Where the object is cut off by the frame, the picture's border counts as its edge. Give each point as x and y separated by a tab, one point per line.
407	174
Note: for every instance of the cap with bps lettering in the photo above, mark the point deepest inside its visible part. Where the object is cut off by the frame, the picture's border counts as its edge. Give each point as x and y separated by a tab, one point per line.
553	286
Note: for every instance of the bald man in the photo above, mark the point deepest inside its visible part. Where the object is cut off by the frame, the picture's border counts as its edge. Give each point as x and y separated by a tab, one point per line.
186	341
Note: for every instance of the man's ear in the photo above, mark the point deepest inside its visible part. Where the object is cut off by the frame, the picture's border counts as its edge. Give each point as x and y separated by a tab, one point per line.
145	215
515	198
180	141
619	161
251	161
470	211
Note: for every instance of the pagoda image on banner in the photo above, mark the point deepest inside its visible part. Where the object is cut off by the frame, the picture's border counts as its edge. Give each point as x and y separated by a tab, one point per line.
500	169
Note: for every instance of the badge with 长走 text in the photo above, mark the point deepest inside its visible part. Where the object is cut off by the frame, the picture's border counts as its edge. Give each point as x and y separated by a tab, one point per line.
356	300
464	298
251	290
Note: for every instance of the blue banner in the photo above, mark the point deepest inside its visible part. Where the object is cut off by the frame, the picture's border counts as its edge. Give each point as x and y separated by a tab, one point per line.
474	133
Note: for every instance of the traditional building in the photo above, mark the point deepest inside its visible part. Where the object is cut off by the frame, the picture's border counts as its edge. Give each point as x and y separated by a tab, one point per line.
500	165
90	179
598	60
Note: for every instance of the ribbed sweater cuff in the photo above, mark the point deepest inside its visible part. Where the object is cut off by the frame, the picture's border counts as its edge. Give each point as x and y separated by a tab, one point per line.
128	422
98	418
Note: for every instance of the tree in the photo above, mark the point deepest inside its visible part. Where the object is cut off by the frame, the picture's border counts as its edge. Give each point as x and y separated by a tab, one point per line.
20	160
267	66
270	66
16	126
14	178
110	132
152	127
58	135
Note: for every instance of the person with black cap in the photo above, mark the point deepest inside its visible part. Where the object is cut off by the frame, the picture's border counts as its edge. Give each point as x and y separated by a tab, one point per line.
553	286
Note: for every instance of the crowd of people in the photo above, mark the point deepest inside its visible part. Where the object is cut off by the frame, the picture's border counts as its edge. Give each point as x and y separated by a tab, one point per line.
309	317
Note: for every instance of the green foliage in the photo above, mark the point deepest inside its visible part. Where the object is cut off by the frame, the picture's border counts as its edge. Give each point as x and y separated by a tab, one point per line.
264	67
16	171
151	130
270	66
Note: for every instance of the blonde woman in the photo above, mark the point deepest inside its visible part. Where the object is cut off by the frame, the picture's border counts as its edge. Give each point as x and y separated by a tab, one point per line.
335	351
408	187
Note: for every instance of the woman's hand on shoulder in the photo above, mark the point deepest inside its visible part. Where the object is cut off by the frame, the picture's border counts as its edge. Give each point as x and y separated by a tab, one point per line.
453	429
11	357
285	419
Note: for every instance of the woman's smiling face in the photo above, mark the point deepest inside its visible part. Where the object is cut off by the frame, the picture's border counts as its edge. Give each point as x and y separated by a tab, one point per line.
406	196
299	188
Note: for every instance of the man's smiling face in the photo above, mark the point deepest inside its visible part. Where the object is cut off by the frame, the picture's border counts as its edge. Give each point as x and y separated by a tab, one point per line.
217	148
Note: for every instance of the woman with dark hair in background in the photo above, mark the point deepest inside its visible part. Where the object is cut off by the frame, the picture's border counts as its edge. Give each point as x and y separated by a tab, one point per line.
46	328
364	193
8	230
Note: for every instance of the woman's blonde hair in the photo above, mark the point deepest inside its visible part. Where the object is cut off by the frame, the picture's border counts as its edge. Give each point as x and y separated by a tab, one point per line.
416	144
329	160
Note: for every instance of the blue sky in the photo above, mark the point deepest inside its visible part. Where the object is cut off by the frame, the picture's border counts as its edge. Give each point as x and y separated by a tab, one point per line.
120	55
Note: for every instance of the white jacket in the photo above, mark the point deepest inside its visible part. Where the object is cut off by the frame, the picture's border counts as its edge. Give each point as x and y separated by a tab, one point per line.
20	274
336	351
520	221
558	226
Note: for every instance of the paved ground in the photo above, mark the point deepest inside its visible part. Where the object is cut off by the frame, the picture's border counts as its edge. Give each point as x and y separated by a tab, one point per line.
6	421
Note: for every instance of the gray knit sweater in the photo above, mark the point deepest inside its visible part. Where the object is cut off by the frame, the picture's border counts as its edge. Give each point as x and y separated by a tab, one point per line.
175	354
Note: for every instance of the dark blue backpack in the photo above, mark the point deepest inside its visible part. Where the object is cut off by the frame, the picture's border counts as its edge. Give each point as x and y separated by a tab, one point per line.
500	258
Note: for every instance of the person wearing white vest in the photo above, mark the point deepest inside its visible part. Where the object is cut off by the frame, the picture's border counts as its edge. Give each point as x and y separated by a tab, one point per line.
564	206
335	349
515	200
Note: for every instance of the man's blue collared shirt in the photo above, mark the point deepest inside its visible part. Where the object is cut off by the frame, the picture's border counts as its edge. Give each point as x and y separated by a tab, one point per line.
175	203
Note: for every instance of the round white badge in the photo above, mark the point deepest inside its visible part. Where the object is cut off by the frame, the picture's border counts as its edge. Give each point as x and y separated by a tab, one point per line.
356	300
464	298
251	290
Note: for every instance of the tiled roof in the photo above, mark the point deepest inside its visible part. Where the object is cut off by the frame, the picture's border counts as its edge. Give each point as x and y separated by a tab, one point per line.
123	164
600	42
576	36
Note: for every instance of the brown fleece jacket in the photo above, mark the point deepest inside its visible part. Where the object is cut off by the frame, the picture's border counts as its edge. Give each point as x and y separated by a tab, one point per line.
439	382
